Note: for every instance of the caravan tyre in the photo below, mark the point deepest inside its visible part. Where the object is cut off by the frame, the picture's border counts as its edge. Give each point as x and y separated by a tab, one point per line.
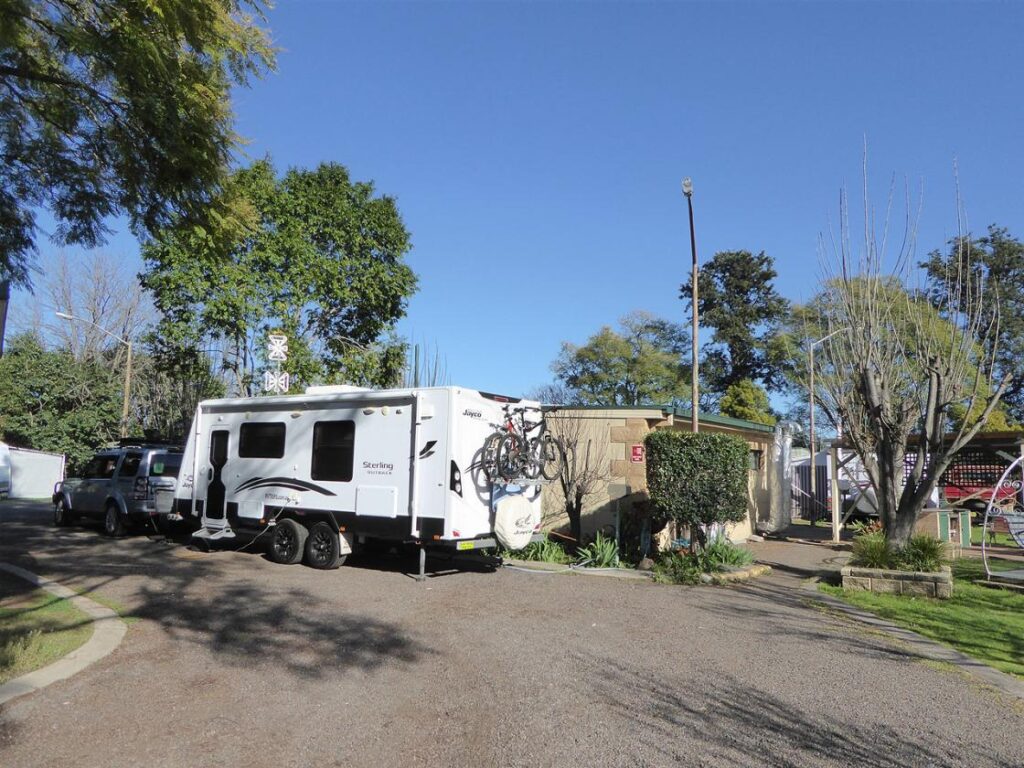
287	542
323	547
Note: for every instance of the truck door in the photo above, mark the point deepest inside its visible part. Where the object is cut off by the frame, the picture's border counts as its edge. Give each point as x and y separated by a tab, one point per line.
214	509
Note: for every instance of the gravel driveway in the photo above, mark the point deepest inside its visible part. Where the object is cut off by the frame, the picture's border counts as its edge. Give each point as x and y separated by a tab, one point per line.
235	661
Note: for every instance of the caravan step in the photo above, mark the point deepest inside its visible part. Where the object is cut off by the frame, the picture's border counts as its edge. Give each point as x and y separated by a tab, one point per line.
214	535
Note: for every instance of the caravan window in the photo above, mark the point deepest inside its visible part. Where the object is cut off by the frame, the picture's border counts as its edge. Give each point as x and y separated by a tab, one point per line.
261	440
333	450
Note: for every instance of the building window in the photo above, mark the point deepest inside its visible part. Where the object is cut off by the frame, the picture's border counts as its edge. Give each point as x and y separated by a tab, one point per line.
333	450
261	440
756	460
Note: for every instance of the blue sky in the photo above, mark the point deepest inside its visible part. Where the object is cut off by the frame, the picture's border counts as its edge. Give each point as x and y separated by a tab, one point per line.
536	149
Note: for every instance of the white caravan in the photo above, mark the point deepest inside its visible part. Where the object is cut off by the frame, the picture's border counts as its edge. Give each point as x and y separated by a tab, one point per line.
327	471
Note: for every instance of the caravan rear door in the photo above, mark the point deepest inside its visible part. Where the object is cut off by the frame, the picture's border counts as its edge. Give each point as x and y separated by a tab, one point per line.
210	483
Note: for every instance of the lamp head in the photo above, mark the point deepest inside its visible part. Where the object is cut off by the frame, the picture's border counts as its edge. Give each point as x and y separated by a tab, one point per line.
688	186
64	316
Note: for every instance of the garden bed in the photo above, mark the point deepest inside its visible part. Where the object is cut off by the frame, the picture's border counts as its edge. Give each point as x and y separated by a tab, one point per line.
938	584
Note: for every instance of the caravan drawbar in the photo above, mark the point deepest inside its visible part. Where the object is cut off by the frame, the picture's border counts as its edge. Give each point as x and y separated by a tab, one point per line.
328	471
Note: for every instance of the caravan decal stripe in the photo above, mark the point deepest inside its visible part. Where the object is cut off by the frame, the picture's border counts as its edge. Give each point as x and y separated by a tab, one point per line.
283	482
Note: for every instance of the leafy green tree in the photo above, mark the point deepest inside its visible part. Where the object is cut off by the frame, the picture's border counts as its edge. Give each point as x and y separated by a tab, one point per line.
737	298
113	107
640	364
51	402
746	400
998	258
324	266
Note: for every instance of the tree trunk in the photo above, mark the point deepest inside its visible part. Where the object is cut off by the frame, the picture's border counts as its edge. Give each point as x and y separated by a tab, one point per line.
903	526
574	511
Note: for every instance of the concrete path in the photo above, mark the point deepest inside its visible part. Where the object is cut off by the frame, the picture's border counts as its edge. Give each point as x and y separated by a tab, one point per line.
107	632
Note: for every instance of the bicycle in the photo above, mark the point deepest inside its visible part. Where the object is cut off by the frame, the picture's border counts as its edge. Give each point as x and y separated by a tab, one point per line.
512	453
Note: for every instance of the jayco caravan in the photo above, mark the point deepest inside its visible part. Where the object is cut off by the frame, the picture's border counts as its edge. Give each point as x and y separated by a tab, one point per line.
325	472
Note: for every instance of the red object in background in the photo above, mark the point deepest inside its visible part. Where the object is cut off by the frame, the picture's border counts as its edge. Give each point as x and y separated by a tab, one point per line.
638	454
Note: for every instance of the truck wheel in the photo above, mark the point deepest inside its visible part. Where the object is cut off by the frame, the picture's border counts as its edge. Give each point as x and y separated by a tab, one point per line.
287	542
61	515
323	549
113	525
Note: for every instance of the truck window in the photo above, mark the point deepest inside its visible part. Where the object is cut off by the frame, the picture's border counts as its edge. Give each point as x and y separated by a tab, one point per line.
333	450
130	464
261	440
108	464
94	468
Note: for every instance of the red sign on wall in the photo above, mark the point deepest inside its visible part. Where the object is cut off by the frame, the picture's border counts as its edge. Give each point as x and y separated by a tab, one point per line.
637	456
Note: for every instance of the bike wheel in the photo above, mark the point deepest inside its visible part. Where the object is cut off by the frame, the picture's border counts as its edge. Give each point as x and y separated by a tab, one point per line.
510	455
550	457
490	456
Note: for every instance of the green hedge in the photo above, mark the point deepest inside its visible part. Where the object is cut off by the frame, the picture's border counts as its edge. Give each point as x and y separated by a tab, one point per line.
697	479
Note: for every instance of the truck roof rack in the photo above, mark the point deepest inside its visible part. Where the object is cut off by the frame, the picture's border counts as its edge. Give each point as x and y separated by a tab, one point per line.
142	442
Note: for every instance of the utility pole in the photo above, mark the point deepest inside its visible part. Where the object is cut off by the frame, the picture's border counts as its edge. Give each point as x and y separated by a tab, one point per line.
5	297
695	389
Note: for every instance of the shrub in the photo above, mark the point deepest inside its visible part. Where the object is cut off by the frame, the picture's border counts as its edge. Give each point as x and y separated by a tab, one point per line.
686	567
923	553
677	568
546	551
721	554
603	552
871	550
697	479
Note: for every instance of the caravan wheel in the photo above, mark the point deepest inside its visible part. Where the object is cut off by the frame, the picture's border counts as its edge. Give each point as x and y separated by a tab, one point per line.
323	549
287	542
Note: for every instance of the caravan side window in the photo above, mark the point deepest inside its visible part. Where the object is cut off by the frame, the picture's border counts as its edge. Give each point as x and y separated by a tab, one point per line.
333	450
261	440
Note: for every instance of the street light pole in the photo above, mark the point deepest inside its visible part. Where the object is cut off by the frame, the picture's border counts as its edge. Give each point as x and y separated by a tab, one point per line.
127	367
814	453
695	390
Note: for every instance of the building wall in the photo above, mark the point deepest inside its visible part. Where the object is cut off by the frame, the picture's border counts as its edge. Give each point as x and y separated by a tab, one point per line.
611	434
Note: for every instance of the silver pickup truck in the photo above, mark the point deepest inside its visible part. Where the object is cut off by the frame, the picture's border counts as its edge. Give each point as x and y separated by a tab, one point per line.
119	487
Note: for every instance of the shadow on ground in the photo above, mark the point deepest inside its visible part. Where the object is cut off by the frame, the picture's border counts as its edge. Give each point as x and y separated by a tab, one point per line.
244	618
741	724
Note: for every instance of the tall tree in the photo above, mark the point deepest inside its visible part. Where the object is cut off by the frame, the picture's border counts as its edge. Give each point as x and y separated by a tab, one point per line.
640	364
50	401
115	108
896	367
324	265
998	259
737	298
746	400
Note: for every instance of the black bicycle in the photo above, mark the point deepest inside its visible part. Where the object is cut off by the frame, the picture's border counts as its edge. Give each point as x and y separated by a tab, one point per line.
523	449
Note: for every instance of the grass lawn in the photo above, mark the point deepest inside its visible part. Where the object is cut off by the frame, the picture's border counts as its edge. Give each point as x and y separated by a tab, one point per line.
1002	539
984	623
36	628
